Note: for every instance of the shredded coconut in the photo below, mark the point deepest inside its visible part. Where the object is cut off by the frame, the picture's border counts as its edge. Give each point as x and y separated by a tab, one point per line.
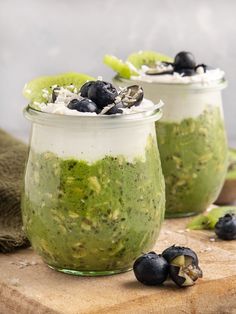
208	77
64	96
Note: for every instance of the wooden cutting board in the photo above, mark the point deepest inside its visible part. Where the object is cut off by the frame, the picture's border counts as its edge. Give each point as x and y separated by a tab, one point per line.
27	285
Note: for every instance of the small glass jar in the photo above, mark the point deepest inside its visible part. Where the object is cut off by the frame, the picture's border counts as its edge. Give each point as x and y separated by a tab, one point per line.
192	143
94	195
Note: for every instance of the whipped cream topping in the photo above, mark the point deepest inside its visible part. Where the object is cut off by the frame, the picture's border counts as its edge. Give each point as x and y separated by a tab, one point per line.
208	77
65	96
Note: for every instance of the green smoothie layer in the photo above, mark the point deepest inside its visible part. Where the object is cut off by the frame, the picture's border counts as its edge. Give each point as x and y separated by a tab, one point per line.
97	216
194	161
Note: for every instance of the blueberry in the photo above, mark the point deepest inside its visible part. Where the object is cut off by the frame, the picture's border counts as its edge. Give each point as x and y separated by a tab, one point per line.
183	271
174	251
131	96
151	269
225	228
102	93
184	60
115	109
84	89
83	105
183	265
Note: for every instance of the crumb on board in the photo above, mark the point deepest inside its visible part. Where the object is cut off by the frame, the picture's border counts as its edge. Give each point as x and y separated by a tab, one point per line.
207	249
14	282
24	263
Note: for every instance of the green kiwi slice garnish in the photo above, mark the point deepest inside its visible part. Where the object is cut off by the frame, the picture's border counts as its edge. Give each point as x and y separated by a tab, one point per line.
149	58
38	89
120	67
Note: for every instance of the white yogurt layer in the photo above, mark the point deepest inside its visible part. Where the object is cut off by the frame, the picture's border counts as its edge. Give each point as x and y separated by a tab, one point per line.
182	102
204	78
91	143
186	105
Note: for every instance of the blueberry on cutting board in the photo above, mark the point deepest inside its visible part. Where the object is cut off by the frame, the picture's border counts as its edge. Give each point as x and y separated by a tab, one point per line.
225	228
151	269
183	265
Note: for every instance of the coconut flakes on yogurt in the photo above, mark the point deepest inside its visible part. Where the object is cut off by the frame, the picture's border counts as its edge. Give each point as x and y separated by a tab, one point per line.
208	77
146	105
61	97
183	70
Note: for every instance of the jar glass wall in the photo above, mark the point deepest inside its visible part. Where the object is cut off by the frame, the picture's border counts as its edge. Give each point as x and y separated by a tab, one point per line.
94	194
192	143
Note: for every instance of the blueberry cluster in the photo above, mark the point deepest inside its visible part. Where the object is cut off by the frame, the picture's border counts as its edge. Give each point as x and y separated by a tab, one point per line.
103	98
184	64
179	263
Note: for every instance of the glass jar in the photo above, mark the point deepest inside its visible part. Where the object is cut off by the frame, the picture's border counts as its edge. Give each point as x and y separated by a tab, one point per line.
94	195
192	143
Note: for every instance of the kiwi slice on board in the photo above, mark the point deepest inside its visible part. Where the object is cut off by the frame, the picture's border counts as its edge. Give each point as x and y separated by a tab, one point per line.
120	67
36	89
209	219
148	58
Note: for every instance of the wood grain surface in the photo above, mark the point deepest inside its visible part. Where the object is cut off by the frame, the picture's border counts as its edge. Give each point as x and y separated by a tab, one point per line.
27	285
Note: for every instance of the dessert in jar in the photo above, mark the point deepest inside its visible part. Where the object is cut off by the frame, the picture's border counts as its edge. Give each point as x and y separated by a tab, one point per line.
191	135
94	195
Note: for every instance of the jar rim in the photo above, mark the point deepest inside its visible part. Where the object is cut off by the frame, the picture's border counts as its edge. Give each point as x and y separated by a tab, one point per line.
218	84
35	115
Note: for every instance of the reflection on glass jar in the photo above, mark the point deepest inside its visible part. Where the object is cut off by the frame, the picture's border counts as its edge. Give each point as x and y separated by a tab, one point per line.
93	191
192	143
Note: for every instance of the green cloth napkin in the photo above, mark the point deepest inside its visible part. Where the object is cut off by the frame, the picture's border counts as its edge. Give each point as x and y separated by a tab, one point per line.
13	155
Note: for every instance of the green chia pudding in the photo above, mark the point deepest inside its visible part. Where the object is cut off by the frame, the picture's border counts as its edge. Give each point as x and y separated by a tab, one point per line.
98	216
94	192
194	160
191	135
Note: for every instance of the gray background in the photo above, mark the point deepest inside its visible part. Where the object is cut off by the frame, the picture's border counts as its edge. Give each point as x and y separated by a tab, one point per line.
42	37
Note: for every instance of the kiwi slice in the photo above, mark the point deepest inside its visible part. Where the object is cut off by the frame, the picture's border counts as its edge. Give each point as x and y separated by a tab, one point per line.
208	220
37	89
119	66
148	58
